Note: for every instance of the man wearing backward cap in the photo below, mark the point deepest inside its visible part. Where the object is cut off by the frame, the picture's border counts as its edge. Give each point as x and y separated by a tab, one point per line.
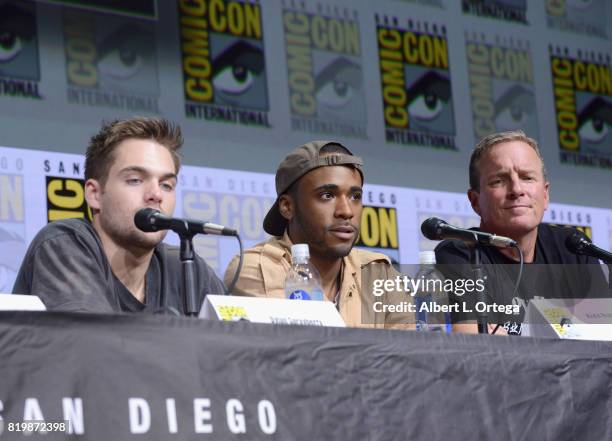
319	187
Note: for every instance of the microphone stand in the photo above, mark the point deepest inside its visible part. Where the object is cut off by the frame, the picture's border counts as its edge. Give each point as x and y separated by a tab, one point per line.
481	297
187	257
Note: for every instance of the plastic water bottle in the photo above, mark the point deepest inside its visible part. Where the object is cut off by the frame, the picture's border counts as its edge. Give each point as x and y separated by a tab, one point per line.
303	281
434	316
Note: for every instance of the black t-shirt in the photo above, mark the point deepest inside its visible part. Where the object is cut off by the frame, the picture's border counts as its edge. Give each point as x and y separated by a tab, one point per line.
66	267
555	273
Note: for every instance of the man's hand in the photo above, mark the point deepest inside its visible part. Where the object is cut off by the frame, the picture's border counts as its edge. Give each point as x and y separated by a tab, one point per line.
472	328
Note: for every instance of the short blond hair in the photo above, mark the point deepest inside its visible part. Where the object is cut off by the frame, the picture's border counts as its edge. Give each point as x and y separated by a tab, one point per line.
490	141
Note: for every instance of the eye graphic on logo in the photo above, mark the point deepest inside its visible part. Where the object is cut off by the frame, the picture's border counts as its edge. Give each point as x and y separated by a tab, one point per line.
122	54
514	108
233	79
594	130
236	68
426	106
17	25
337	83
10	46
429	96
594	121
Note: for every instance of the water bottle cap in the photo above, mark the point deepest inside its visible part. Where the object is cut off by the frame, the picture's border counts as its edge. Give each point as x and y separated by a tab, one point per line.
427	257
300	250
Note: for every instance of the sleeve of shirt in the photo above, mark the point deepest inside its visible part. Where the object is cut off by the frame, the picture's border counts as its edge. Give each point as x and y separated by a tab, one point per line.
67	273
250	281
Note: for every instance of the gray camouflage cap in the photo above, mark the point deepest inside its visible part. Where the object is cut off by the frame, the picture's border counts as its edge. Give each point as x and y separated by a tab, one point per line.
295	165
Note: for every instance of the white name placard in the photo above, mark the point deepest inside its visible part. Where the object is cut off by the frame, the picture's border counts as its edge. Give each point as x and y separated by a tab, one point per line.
580	319
273	311
19	302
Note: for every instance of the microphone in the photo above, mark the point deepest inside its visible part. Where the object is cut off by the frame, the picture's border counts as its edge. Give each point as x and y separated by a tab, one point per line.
437	229
578	243
150	220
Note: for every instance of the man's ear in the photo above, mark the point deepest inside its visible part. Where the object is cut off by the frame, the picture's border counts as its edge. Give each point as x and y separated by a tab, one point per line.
473	197
286	206
93	193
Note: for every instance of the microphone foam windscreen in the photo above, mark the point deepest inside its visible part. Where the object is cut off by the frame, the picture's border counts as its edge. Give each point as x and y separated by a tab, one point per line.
430	228
142	220
576	242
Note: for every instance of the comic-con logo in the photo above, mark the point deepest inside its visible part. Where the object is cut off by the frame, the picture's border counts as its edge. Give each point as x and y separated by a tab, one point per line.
19	66
586	17
11	198
378	231
111	61
12	226
223	63
588	231
12	217
323	51
572	219
582	87
507	10
501	85
66	198
244	213
416	87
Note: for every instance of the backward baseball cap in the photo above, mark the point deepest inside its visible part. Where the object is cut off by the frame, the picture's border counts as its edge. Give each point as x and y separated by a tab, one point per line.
295	165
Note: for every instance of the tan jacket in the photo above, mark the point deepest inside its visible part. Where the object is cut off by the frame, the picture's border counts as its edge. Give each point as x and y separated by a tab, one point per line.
266	265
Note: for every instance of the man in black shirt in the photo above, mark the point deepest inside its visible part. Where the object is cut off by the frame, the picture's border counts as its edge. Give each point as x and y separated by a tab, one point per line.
509	190
110	265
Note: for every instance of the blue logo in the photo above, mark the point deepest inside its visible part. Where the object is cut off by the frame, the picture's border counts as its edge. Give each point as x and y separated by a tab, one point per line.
299	294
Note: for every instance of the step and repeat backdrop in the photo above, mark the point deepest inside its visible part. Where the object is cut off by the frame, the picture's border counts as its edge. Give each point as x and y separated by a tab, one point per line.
403	73
410	85
37	187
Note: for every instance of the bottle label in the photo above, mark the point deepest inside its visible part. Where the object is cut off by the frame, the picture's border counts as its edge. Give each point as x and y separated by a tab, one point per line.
421	312
430	321
299	294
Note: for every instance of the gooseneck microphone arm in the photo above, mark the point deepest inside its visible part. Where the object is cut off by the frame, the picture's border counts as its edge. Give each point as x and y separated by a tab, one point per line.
438	229
577	243
150	220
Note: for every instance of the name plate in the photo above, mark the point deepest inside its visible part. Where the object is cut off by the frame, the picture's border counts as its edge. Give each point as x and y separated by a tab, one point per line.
19	302
273	311
579	319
